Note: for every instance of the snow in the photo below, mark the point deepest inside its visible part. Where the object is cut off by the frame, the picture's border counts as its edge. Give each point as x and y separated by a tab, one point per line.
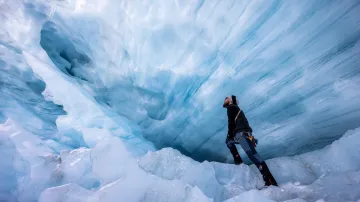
106	100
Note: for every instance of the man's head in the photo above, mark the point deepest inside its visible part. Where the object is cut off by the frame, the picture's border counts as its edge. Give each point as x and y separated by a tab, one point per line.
230	100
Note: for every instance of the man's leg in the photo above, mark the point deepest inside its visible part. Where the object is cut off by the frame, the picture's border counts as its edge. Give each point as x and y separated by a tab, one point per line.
230	143
249	148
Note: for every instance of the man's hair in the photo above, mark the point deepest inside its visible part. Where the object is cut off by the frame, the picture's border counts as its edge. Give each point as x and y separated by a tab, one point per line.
232	100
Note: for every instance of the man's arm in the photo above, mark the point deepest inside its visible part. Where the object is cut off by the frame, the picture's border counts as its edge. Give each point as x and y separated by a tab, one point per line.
231	112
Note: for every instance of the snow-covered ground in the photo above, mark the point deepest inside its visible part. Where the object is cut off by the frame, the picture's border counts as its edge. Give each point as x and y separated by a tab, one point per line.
107	100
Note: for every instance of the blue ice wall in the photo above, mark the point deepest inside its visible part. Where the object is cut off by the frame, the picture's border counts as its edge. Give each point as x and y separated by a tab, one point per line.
293	65
83	82
21	95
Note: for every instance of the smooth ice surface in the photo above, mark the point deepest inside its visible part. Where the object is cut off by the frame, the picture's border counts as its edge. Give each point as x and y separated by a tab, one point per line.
101	99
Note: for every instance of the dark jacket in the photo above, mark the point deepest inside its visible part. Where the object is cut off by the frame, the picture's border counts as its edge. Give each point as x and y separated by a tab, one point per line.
241	124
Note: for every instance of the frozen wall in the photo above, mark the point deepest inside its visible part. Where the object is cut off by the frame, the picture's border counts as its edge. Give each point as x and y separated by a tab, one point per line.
168	65
88	88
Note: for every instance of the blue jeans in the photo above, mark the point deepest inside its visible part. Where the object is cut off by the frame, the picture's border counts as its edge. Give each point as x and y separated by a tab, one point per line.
246	145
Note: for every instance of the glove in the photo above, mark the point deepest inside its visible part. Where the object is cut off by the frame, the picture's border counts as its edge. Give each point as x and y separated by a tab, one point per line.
253	140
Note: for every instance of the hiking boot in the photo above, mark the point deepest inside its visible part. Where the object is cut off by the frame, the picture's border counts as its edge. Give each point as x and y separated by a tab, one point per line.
267	176
238	160
269	181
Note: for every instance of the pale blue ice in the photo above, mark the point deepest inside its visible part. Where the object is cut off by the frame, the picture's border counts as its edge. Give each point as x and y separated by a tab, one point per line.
116	100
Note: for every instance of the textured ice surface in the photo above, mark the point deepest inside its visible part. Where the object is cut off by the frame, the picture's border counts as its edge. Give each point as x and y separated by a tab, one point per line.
83	84
121	180
217	180
294	67
167	65
11	167
108	172
252	195
330	173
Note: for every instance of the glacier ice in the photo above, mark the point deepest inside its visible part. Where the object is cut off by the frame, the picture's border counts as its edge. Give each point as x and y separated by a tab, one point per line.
252	195
109	172
12	167
121	181
302	176
113	100
290	76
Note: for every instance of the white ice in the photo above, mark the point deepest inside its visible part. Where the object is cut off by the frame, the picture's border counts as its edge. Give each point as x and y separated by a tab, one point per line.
107	100
108	172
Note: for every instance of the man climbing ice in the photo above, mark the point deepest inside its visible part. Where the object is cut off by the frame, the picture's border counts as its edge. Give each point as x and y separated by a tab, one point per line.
240	132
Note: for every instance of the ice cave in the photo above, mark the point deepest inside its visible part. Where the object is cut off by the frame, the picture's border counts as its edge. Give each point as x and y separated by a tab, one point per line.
121	100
